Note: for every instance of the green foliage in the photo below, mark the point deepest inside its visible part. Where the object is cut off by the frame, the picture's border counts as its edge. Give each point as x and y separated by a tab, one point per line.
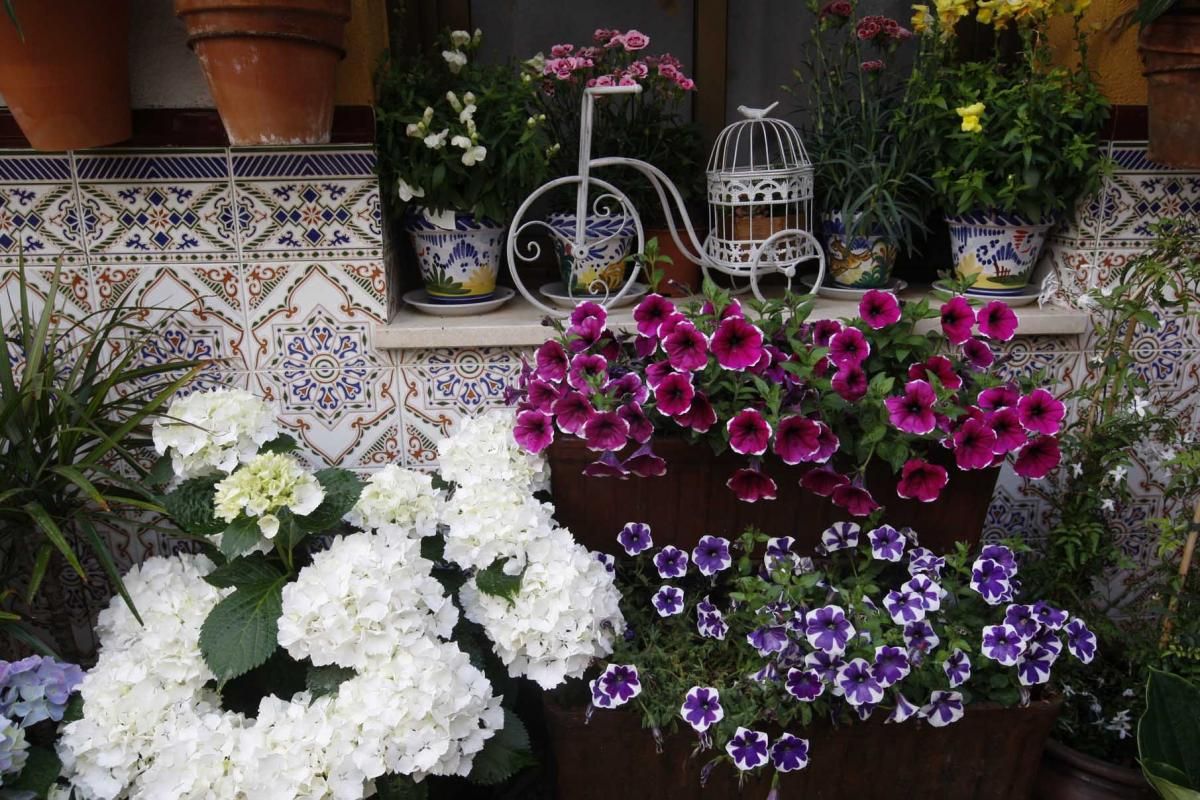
1150	10
503	755
326	680
401	787
342	489
495	581
38	775
241	632
241	535
413	105
75	408
190	506
1169	736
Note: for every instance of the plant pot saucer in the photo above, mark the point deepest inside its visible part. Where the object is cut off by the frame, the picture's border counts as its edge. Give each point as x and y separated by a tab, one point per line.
1014	298
420	300
831	291
558	294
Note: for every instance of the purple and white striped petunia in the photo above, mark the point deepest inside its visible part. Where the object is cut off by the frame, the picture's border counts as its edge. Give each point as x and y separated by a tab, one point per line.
891	665
840	536
804	684
1049	616
1020	616
1047	640
865	711
789	753
923	586
671	562
619	683
768	639
609	562
711	555
599	699
710	622
943	708
1002	555
887	543
702	708
767	672
825	665
779	553
957	668
904	607
828	630
747	748
1081	641
991	580
1034	665
1002	644
855	680
903	710
920	638
668	601
635	538
922	561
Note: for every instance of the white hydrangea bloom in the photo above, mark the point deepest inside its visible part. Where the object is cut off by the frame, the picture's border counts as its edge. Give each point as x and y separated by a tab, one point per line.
397	496
483	450
286	753
362	600
195	755
262	487
566	614
209	432
489	521
427	711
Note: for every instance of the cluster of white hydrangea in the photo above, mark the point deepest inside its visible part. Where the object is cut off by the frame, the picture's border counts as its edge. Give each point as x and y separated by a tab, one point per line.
566	614
364	599
263	486
209	432
483	450
490	521
399	497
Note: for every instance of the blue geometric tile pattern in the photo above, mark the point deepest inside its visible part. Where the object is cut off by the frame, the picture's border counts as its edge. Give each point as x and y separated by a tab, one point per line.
311	164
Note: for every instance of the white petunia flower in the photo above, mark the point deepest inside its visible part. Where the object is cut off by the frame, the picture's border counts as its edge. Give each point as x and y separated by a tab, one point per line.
210	432
399	497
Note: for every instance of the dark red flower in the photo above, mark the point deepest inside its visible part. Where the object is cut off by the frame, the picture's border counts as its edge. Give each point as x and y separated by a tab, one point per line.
751	485
823	480
645	464
920	480
700	417
855	498
1037	458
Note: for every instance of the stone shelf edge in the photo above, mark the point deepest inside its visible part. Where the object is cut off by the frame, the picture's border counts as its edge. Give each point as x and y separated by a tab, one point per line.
519	324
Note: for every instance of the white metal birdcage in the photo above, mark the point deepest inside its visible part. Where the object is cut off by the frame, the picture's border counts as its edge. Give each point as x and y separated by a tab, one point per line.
760	182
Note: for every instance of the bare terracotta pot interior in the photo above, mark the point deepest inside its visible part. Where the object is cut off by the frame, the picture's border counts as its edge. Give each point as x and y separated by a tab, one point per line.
1170	48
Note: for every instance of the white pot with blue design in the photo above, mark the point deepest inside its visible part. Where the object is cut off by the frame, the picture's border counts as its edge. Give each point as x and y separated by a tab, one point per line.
459	254
601	267
999	250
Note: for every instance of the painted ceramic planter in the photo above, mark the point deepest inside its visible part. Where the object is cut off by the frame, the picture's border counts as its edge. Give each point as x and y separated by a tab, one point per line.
860	261
458	265
1000	250
602	268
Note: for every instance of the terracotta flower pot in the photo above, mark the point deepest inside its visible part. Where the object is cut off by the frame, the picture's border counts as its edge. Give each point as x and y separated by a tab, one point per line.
1171	52
270	64
67	81
1067	774
681	277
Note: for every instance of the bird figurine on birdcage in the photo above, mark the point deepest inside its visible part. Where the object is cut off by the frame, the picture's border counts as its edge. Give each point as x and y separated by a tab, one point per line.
760	184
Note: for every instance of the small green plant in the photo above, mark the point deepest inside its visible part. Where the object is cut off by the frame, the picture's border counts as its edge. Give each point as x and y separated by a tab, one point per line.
1169	736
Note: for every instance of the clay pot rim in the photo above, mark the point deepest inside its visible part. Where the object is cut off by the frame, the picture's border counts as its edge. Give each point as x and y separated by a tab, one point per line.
336	8
1126	776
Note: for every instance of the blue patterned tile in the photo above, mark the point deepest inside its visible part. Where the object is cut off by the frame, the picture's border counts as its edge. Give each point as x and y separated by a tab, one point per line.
328	163
39	213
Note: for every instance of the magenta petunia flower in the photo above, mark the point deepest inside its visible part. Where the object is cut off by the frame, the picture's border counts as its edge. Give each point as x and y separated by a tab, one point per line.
824	330
823	481
938	367
749	433
998	397
978	354
850	382
552	362
627	388
797	439
879	309
588	311
587	371
751	485
828	444
606	466
855	498
656	371
605	430
997	321
534	431
651	313
1041	412
674	394
645	464
737	344
571	412
700	417
540	395
1010	435
920	480
686	348
957	319
849	347
974	443
1038	458
640	426
644	347
912	412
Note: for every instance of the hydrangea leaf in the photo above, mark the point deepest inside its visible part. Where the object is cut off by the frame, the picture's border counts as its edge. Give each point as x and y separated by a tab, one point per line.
38	775
280	444
325	680
244	571
161	472
191	506
241	535
496	582
242	630
1169	731
400	787
503	755
342	489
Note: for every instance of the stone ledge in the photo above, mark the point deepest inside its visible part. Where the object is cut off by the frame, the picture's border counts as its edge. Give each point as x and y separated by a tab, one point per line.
519	324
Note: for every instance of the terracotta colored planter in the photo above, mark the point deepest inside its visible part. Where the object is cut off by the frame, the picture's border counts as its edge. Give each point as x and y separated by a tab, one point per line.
1171	53
692	500
992	753
681	277
67	82
270	64
1067	774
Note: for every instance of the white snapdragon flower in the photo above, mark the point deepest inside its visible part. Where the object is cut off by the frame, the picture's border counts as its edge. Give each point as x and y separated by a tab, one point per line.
467	113
455	60
267	484
436	141
460	39
407	191
364	599
474	155
209	432
400	497
454	102
566	614
483	450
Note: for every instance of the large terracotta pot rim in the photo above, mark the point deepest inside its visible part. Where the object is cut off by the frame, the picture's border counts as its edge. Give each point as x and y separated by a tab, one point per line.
1082	761
336	8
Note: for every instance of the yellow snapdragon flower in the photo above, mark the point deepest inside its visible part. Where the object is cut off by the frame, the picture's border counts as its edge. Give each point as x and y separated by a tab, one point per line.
970	117
949	12
922	20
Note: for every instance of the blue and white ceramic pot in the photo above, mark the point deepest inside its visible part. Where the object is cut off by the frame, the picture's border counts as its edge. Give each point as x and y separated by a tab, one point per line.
459	255
861	261
601	267
999	250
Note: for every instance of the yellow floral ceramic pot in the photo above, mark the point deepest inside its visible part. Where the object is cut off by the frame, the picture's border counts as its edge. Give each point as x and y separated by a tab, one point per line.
999	250
458	253
857	261
599	267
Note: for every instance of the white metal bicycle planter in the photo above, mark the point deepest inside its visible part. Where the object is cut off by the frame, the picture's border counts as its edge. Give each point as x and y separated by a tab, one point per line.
760	190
